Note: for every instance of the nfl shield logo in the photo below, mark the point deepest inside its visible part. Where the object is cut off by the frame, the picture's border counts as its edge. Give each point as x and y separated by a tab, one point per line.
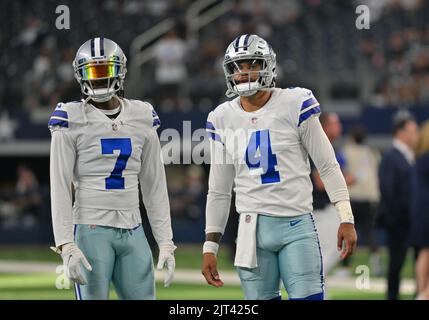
254	120
247	219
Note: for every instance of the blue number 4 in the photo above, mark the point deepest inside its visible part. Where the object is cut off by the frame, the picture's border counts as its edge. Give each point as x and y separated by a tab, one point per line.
259	156
115	180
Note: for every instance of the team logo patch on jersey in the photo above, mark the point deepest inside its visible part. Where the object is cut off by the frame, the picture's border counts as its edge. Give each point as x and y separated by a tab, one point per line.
248	218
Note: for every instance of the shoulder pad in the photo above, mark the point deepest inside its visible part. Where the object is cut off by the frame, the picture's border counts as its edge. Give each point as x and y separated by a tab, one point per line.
145	110
66	114
220	109
307	104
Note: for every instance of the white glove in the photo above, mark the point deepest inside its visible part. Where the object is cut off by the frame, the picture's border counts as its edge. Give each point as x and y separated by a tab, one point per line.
73	259
166	257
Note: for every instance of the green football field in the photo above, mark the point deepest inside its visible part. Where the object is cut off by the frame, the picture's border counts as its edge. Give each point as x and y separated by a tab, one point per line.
41	285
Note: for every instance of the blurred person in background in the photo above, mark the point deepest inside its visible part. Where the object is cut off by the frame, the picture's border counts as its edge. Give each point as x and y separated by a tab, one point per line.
41	81
66	90
33	31
195	189
28	197
362	163
7	127
170	70
420	216
325	216
420	75
186	189
332	127
20	205
395	172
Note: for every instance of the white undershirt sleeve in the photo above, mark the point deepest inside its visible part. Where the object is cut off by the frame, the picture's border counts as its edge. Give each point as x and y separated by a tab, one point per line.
154	191
322	153
62	162
221	179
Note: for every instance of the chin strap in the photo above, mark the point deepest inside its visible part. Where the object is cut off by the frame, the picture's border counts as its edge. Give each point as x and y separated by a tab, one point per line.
230	94
105	99
111	91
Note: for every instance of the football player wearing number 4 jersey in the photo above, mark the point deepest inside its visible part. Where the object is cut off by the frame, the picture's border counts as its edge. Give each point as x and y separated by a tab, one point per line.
261	142
104	146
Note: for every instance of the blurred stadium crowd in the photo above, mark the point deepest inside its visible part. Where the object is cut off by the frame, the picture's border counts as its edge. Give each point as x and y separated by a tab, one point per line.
317	45
365	76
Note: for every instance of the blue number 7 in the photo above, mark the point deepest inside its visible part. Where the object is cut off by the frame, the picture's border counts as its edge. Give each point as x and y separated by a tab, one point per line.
115	180
265	159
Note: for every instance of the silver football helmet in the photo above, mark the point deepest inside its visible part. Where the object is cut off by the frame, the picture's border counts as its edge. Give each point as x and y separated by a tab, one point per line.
96	60
255	50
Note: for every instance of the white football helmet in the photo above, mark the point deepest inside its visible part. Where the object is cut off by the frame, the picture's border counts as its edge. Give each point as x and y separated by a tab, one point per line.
100	59
256	50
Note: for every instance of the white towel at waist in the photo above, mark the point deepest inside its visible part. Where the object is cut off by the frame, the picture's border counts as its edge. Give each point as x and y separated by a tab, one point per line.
245	255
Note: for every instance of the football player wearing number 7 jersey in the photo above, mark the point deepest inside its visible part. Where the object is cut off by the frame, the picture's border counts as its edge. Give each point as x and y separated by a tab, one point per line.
261	142
105	145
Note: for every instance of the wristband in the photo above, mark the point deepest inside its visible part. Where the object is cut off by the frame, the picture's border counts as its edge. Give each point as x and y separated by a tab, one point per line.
344	210
210	247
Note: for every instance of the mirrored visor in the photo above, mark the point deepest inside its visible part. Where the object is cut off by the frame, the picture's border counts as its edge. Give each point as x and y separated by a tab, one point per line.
99	71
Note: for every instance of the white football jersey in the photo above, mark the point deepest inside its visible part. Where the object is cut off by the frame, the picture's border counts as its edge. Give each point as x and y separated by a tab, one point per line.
270	163
105	159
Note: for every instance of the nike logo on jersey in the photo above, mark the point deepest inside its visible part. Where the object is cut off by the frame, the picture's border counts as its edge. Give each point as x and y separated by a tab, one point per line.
294	222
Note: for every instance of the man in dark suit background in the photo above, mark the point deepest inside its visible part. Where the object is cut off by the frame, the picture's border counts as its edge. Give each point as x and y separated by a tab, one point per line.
395	174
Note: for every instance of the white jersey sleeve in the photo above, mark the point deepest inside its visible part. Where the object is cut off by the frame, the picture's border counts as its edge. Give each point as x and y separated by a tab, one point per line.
62	162
154	187
221	179
322	153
